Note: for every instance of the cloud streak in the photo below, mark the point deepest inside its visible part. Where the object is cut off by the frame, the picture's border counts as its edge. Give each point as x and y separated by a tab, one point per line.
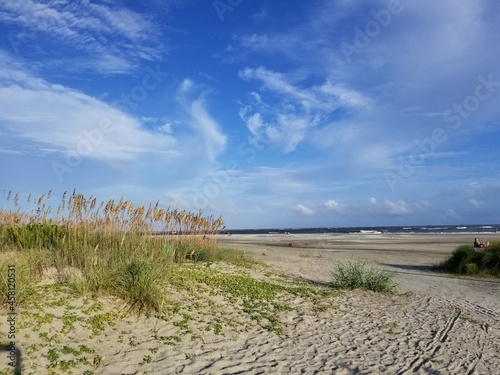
104	38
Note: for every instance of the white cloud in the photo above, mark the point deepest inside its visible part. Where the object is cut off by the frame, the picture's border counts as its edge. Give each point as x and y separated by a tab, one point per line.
70	122
302	210
178	200
397	207
192	99
331	204
106	38
476	203
214	140
298	110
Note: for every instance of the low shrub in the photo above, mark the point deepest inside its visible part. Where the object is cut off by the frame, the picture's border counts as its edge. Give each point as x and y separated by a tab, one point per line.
355	275
467	260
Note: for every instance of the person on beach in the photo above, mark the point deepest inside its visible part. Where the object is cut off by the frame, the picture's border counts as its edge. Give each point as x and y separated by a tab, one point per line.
478	243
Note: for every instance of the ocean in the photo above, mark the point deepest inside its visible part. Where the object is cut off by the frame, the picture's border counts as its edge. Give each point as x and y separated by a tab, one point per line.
430	229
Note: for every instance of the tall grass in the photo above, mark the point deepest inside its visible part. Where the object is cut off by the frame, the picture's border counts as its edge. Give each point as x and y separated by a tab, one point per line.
116	247
355	275
467	260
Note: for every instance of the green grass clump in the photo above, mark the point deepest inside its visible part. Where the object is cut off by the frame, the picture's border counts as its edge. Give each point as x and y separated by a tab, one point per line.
355	275
139	282
467	260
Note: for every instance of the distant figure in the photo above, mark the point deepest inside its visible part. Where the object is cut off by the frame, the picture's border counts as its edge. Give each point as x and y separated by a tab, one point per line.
205	237
478	243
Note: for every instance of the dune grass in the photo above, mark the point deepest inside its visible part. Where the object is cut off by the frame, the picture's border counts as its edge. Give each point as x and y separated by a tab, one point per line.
356	275
112	247
467	260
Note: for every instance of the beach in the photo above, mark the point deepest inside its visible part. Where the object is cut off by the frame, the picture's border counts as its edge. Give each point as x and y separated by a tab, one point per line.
434	323
409	256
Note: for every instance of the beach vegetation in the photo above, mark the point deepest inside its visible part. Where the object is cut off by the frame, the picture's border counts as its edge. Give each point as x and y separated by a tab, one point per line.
143	254
356	275
467	260
113	247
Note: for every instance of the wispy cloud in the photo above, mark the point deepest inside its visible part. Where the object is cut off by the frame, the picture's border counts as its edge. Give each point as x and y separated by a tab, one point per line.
302	210
67	121
192	98
99	37
298	110
373	206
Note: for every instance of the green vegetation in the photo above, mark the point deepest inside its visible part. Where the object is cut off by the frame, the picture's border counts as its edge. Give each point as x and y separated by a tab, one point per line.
355	275
111	247
467	260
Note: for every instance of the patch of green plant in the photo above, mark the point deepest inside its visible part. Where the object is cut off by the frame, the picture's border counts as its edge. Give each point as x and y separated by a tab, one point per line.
76	352
217	328
184	323
33	348
98	322
133	341
64	364
52	355
50	339
69	319
356	275
168	340
98	361
94	307
33	235
319	308
261	300
62	301
35	320
467	260
28	266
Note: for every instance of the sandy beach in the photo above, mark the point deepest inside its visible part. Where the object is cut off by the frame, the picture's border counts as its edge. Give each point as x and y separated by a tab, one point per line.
410	257
434	324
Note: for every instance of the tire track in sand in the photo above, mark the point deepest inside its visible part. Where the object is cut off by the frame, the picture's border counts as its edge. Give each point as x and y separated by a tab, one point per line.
432	346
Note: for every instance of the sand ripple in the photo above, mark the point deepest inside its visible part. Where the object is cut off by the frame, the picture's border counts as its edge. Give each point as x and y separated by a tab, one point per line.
364	333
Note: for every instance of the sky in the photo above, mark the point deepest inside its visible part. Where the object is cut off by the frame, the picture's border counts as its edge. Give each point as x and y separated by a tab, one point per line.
271	114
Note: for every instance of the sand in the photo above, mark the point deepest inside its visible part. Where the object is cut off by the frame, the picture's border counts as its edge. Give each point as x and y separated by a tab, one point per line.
434	324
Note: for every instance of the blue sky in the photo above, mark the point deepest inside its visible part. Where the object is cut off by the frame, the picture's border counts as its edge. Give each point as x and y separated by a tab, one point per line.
270	113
